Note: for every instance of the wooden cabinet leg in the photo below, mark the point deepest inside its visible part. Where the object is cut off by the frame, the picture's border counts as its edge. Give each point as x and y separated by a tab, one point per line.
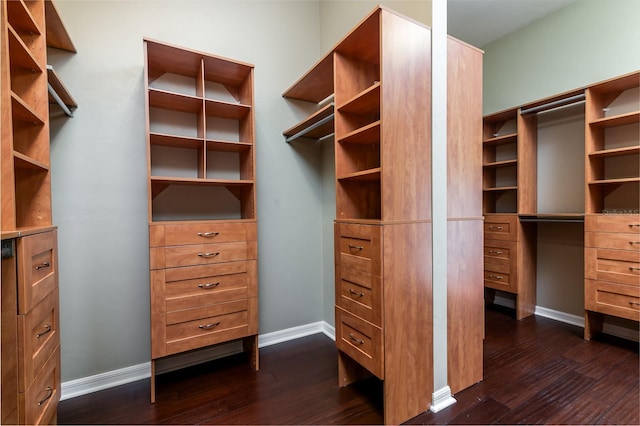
250	346
153	381
592	324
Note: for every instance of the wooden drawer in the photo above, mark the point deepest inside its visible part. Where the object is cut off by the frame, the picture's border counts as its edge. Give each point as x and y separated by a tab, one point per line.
37	268
499	277
206	291
361	340
359	293
359	247
207	331
626	223
38	404
201	254
499	252
200	233
38	338
501	227
616	266
612	298
205	311
610	240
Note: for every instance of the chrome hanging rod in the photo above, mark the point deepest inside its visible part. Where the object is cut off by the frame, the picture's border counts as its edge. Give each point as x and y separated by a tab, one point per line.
59	101
555	104
301	133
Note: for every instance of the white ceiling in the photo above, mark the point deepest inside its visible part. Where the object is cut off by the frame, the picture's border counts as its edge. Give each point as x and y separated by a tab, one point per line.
479	22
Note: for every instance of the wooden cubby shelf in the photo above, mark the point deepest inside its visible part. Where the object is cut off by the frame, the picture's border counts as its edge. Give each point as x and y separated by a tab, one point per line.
617	120
366	102
504	163
501	140
367	134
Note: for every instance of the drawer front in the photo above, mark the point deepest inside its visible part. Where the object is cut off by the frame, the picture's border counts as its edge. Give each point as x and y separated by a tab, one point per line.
626	223
200	233
501	227
498	277
359	293
38	338
612	298
201	254
499	252
200	313
207	331
197	292
359	247
616	266
37	268
360	340
40	401
610	240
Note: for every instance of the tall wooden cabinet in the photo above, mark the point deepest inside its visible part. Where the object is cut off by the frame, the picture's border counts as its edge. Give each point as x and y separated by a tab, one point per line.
383	229
202	217
30	333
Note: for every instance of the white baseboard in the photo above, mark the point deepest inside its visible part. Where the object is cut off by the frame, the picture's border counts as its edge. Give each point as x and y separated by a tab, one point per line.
578	321
442	399
109	379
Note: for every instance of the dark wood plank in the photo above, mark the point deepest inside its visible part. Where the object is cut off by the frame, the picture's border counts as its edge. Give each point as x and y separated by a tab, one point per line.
537	371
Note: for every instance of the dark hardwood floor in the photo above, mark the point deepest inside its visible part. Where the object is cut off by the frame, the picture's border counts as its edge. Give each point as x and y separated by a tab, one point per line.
536	371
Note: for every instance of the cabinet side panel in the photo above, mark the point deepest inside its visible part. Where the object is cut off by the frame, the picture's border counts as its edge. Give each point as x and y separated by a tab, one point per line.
405	116
464	130
465	307
7	194
9	363
408	324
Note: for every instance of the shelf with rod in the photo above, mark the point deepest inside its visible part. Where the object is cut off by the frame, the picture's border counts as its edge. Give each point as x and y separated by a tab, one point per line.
59	94
317	126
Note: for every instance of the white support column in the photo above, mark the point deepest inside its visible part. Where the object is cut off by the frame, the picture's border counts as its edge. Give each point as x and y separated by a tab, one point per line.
442	393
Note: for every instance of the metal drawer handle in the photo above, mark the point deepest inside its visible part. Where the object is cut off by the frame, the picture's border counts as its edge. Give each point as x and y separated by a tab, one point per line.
42	265
495	228
634	242
631	268
208	234
495	252
355	339
355	293
634	303
631	225
47	329
352	247
495	277
49	395
208	286
209	326
209	254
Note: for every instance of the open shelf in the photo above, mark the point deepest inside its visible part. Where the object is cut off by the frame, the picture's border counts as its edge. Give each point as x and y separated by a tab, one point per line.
498	164
606	153
21	55
21	18
368	175
501	140
617	120
57	35
366	102
21	111
316	84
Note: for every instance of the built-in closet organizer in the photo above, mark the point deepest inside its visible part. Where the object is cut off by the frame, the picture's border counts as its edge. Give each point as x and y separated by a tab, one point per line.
583	147
30	333
380	80
202	218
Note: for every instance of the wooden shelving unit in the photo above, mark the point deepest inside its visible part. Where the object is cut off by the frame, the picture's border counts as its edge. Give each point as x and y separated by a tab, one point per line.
383	214
612	198
202	216
30	306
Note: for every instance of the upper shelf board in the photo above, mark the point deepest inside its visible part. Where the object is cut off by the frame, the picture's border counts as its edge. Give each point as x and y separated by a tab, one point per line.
57	35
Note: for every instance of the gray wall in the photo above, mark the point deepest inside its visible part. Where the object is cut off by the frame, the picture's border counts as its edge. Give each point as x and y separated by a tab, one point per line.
99	167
